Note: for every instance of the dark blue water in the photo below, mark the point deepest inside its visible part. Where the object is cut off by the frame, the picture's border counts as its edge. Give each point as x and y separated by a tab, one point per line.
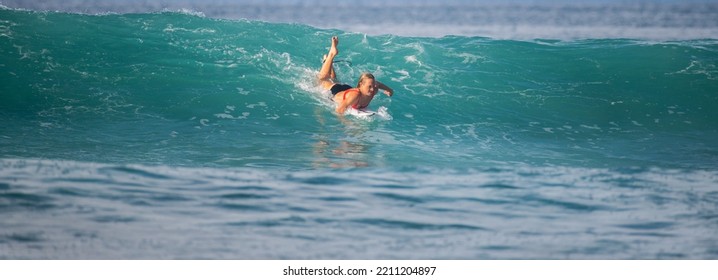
63	209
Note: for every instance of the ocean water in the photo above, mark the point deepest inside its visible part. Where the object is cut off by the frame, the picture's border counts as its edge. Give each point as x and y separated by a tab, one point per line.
178	134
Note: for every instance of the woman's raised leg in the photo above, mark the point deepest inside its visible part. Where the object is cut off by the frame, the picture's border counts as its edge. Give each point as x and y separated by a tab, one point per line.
327	71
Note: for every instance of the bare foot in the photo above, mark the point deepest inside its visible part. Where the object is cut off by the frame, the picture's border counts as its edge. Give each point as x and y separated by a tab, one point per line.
333	50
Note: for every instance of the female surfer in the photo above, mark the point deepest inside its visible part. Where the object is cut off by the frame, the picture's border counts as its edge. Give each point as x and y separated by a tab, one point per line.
344	95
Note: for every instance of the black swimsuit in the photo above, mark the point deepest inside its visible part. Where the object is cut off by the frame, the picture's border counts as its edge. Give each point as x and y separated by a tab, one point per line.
337	88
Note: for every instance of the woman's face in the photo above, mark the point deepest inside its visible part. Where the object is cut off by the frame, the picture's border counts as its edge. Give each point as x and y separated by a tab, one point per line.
368	86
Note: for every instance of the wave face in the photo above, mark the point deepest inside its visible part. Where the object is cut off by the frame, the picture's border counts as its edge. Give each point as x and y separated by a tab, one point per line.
184	89
157	97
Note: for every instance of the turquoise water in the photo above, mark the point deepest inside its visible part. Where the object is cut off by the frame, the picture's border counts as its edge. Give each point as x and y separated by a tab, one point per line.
174	135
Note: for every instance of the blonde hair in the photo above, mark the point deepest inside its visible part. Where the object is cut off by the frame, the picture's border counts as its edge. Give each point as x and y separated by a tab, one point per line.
365	76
